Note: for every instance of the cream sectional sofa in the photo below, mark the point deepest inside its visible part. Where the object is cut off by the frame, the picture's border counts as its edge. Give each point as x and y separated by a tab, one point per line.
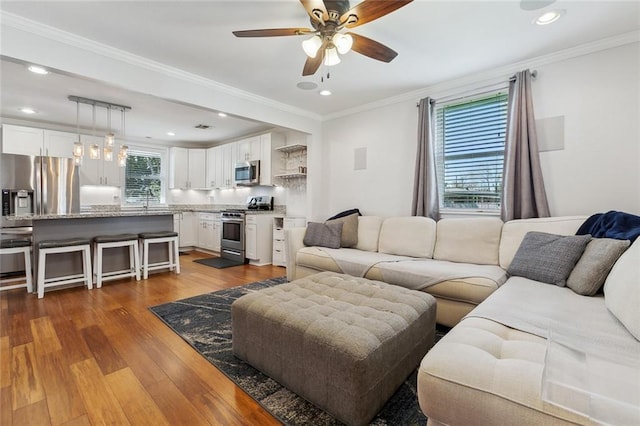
521	351
458	261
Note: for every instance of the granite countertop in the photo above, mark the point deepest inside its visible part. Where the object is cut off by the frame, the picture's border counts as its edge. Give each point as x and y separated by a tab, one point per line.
91	214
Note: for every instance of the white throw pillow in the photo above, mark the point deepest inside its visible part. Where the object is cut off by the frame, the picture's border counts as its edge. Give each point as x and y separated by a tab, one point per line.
622	289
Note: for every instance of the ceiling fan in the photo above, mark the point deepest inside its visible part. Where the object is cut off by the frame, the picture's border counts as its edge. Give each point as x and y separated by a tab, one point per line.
329	18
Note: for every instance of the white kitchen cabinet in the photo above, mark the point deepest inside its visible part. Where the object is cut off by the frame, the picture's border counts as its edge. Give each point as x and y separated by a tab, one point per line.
229	158
99	172
214	169
187	229
187	168
259	238
279	245
207	232
249	149
217	232
23	140
269	158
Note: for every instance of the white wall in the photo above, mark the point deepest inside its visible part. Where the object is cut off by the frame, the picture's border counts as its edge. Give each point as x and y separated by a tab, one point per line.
598	94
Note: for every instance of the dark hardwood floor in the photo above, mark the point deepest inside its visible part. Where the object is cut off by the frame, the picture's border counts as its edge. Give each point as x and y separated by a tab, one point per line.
80	357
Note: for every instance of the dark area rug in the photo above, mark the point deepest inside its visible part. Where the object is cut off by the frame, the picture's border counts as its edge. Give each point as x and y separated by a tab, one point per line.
205	323
218	262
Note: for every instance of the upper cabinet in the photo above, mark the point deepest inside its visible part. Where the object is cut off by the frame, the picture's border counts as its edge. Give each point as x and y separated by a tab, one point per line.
32	141
187	168
269	143
249	149
99	172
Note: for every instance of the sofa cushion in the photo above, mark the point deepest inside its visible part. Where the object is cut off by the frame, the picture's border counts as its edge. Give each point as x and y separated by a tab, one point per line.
323	234
485	373
349	229
345	260
514	231
593	267
548	258
622	289
474	240
413	236
368	232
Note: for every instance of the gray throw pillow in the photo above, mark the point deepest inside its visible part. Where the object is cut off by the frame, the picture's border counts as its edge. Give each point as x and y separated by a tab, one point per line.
349	229
593	267
323	234
548	258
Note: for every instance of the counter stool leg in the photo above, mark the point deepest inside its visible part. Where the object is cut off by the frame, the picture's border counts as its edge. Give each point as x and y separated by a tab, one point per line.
145	259
176	254
97	264
86	258
42	260
134	258
27	270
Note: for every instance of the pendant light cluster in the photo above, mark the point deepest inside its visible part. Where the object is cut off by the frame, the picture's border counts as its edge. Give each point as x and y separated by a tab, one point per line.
107	148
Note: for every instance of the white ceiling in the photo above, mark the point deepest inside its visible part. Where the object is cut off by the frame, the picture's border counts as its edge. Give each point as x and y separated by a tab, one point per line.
435	40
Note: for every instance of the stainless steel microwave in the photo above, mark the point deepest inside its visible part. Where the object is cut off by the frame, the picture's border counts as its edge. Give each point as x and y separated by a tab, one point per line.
247	173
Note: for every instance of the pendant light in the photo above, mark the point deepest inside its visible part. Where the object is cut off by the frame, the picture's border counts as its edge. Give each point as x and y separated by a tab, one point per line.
94	149
109	139
123	153
78	147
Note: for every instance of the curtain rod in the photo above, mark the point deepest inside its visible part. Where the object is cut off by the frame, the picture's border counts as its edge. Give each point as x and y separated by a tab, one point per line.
534	74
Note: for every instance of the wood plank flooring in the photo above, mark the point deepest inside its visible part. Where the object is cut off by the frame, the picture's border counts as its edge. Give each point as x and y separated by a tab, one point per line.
80	357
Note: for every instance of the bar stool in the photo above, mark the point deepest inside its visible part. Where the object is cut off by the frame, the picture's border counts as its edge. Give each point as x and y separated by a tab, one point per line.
17	246
103	242
168	237
64	246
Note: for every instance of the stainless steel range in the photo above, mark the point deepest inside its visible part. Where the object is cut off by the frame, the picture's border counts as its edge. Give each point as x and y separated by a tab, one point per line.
232	242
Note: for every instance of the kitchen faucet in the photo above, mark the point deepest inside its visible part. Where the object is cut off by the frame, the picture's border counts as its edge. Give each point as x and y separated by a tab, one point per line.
146	204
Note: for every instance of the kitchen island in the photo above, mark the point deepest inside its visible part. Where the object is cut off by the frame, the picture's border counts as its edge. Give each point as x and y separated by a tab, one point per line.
92	224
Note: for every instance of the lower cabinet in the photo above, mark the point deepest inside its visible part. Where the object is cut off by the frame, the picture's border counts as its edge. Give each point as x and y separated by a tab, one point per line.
185	224
279	246
259	238
209	231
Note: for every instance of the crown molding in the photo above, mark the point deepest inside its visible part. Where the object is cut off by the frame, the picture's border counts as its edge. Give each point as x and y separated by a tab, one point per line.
52	33
494	75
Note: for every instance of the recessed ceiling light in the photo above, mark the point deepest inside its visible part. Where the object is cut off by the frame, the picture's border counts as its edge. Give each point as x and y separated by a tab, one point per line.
171	134
28	110
37	70
325	92
222	114
549	17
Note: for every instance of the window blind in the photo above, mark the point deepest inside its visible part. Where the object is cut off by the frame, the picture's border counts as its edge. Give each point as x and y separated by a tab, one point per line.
471	138
143	177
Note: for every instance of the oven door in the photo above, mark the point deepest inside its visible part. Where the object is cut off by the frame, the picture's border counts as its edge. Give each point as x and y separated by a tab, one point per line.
232	234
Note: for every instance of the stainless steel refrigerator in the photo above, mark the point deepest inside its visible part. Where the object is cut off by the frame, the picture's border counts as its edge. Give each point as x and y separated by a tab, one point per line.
52	182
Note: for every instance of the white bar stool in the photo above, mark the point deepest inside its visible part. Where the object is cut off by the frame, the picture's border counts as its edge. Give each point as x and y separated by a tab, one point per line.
64	246
103	242
18	246
167	237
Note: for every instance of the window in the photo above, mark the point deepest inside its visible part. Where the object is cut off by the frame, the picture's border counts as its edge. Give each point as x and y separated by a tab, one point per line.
144	177
470	138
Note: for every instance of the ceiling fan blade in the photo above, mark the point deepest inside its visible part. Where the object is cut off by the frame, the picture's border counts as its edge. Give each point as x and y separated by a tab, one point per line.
312	64
273	32
372	48
370	10
311	5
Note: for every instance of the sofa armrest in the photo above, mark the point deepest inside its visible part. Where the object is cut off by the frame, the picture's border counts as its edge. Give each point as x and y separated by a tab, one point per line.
294	240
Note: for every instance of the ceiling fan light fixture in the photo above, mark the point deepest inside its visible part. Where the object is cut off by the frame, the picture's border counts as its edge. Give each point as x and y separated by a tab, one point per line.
343	42
311	46
331	56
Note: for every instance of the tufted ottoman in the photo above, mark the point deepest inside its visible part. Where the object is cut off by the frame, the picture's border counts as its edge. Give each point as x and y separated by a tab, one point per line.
345	344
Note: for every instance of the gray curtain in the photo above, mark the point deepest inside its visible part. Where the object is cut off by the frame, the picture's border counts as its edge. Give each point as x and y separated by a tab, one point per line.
523	193
425	188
